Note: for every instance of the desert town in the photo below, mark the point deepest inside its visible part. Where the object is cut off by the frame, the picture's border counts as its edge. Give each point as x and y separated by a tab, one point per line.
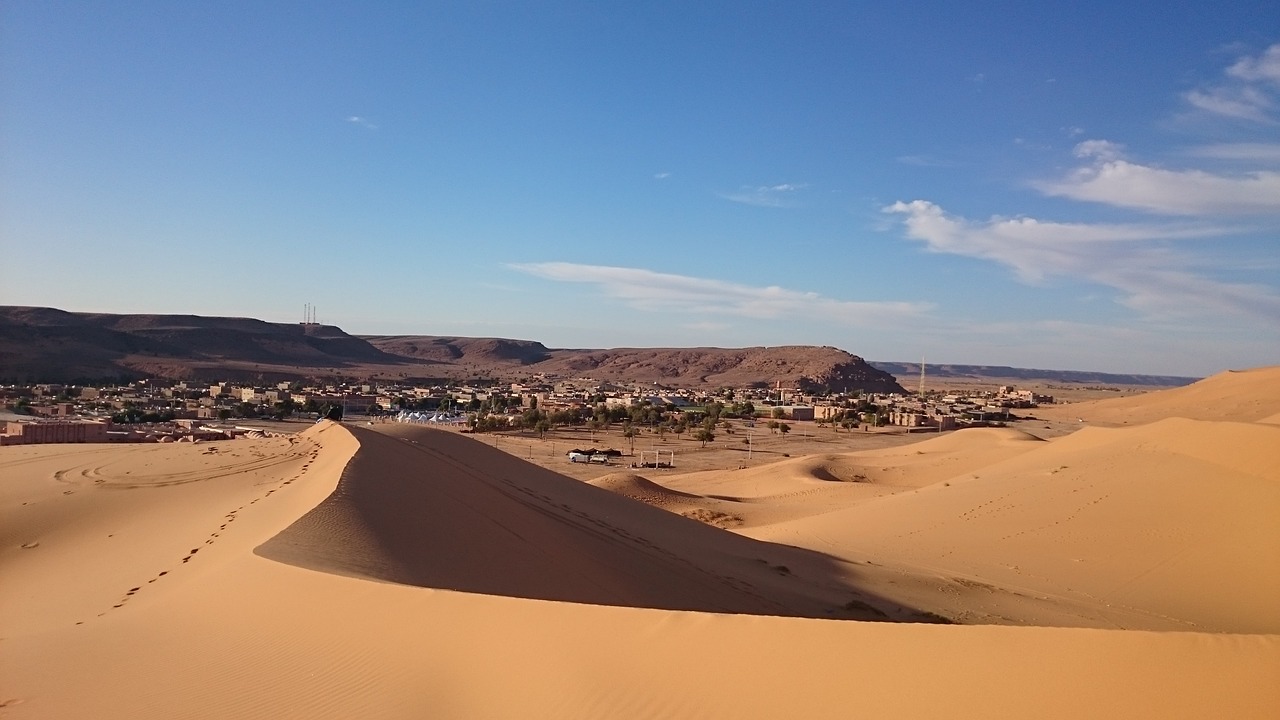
169	411
901	554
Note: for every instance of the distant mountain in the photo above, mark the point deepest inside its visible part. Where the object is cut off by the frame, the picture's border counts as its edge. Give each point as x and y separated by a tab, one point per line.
44	344
49	345
906	370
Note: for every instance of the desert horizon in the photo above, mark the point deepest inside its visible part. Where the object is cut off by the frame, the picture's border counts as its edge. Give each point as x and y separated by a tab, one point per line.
1125	568
582	360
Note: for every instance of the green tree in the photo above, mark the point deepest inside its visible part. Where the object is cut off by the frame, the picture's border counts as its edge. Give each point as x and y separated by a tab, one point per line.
285	408
704	436
714	410
784	428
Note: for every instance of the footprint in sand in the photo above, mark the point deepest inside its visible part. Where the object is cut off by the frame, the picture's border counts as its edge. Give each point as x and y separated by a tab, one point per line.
29	545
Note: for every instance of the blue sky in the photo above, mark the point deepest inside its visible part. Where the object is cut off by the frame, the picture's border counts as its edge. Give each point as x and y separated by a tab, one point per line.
1091	187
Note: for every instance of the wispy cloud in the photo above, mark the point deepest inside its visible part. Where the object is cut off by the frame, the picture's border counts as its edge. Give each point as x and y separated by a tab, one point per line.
362	122
1135	259
661	175
665	292
924	161
1248	90
1112	180
1262	153
707	326
1263	68
777	196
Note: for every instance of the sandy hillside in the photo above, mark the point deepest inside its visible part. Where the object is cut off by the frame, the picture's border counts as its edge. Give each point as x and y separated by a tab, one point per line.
1235	395
351	572
1149	527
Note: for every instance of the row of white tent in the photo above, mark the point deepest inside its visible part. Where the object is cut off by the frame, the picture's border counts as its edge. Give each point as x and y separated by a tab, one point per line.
422	418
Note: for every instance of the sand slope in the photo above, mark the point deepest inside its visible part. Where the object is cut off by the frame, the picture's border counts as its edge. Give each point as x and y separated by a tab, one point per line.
812	485
1234	396
1150	527
308	579
437	509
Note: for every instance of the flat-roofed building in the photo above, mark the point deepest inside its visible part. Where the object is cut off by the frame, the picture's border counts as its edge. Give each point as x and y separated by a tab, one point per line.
25	432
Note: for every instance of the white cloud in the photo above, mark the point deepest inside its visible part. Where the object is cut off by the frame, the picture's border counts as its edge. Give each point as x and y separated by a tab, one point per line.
1265	67
1101	149
664	292
1246	93
1256	152
1240	103
362	122
707	326
777	196
924	161
1134	259
661	176
1113	181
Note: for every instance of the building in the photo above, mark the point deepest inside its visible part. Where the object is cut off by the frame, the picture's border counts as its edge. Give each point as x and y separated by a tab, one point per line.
54	410
797	412
24	432
918	419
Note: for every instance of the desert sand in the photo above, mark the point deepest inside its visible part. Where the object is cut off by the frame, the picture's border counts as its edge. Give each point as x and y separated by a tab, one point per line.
1130	569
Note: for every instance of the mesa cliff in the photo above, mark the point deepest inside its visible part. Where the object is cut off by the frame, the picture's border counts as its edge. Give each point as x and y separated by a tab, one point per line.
51	345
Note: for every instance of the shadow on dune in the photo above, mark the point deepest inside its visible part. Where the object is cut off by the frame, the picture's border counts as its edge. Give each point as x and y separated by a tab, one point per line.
435	509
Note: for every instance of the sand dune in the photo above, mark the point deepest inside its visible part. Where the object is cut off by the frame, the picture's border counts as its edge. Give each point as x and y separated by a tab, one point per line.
1150	527
1235	396
803	487
437	509
318	577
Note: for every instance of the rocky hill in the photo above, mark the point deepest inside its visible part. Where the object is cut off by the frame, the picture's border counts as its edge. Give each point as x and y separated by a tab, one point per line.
49	345
910	371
